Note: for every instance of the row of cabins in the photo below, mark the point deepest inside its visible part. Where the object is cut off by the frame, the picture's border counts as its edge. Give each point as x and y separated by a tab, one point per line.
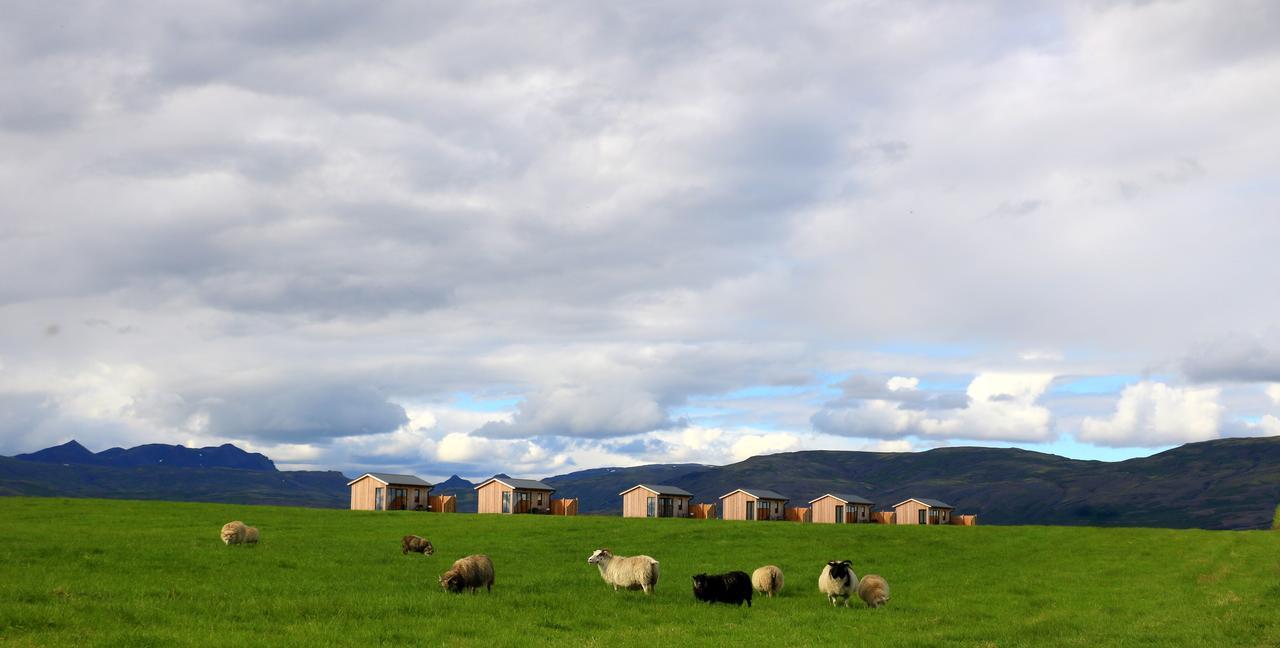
392	492
660	500
509	495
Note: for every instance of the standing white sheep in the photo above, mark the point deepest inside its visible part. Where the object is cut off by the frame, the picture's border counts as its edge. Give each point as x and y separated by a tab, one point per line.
837	581
628	572
767	580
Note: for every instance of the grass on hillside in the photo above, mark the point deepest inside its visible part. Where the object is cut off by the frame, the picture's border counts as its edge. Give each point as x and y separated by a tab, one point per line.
99	572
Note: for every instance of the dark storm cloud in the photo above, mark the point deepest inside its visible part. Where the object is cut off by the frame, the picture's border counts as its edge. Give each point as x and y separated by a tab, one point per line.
1236	358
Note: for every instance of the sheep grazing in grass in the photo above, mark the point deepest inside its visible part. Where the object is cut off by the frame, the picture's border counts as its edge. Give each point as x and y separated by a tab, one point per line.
873	590
733	587
235	532
837	581
626	572
767	580
472	572
416	544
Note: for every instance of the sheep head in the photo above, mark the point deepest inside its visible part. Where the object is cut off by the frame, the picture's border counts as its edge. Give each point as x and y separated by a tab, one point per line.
599	555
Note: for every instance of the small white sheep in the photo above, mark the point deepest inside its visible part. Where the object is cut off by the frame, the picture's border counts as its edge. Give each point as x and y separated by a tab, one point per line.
627	572
767	580
873	590
837	581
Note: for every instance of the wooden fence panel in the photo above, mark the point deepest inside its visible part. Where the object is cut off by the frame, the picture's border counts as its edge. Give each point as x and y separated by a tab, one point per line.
964	520
564	506
443	503
882	517
799	514
702	511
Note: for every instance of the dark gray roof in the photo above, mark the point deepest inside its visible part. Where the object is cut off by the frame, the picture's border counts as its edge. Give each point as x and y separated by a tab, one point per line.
663	489
407	480
931	503
761	493
522	484
852	499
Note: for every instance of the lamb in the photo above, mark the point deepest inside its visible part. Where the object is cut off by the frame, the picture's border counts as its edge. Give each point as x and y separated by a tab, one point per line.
235	532
767	580
416	544
873	590
471	572
627	572
733	587
837	581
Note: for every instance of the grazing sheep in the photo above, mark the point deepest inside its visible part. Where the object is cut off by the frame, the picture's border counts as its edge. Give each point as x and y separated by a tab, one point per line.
627	572
873	590
235	532
837	581
733	587
767	580
472	572
416	544
251	535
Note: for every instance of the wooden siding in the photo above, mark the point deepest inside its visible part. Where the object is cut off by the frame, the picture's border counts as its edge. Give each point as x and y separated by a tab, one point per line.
635	503
489	497
909	513
824	511
362	493
702	511
734	507
882	517
799	514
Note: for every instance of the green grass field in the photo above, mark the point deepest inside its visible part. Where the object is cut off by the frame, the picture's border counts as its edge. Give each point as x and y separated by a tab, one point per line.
99	572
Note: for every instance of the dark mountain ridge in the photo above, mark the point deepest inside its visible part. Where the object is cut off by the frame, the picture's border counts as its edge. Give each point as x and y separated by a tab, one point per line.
154	454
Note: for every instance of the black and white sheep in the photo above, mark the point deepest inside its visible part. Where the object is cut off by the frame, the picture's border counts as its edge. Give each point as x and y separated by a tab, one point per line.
626	572
873	590
767	580
837	581
416	544
471	572
733	587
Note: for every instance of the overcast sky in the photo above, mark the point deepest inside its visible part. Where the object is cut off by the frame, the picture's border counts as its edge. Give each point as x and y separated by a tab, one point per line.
538	238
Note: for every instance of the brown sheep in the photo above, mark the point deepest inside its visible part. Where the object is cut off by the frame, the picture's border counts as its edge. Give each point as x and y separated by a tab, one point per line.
873	590
472	572
416	544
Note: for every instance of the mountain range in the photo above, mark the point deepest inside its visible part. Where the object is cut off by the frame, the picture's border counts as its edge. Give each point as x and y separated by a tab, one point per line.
1221	484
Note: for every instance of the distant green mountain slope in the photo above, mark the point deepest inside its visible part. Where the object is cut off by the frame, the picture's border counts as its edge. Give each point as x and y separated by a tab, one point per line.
231	485
1222	484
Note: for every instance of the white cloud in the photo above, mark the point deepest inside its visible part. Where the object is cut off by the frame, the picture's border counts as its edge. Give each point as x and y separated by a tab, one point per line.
1273	392
900	383
1001	406
750	445
1154	414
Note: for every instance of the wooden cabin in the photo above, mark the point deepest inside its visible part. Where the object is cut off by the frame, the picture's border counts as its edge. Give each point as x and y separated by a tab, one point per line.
753	504
841	508
389	492
509	495
922	511
655	500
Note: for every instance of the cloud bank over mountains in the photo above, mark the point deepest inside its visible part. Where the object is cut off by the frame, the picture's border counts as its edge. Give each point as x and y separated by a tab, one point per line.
464	238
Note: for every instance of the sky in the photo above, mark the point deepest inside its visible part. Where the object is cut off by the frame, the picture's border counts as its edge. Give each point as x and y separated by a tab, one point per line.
543	237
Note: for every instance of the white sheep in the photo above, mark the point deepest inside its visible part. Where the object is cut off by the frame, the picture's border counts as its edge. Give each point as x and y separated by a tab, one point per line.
837	581
767	580
628	572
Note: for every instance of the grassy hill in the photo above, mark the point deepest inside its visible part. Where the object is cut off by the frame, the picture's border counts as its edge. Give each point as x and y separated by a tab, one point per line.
107	572
1222	484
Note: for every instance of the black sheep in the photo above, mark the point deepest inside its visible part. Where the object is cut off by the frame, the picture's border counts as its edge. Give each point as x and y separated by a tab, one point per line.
733	587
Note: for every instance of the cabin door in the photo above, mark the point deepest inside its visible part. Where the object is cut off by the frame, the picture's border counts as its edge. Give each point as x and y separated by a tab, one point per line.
923	518
751	510
839	514
506	501
665	508
650	504
377	499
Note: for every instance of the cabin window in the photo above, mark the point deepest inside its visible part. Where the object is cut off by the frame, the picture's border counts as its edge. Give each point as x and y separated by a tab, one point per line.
417	496
539	499
651	506
377	499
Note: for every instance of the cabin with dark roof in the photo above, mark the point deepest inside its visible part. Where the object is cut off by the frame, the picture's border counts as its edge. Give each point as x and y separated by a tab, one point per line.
655	500
389	492
753	504
508	495
921	510
840	508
